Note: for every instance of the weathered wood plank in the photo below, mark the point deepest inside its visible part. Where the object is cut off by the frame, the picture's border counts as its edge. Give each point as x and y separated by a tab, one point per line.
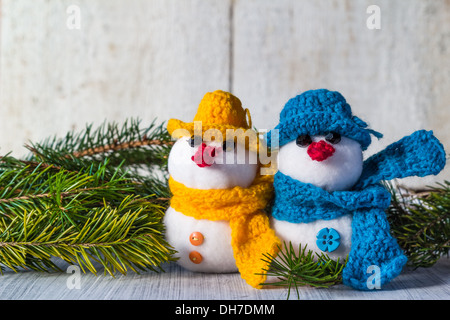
179	284
128	58
395	78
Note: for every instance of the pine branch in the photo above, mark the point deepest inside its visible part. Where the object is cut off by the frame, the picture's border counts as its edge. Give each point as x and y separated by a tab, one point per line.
421	223
116	146
25	187
302	268
128	237
138	151
127	145
76	207
85	198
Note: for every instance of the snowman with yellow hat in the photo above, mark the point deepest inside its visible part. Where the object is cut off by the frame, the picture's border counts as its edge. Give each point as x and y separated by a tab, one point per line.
216	221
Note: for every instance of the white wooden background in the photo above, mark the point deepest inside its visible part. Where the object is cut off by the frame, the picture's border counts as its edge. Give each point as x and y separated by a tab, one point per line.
157	58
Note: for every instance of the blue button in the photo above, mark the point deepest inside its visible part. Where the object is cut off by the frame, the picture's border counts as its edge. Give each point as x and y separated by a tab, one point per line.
328	239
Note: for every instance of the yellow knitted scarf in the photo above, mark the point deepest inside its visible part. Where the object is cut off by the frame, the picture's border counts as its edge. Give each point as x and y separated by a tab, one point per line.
251	235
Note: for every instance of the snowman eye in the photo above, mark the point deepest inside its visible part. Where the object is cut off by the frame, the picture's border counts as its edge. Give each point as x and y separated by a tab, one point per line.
333	137
303	140
228	146
193	141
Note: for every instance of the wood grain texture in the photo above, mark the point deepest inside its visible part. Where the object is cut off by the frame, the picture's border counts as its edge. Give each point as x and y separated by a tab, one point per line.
394	78
147	59
179	284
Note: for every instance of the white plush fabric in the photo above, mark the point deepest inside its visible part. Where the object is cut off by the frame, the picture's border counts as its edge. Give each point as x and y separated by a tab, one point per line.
305	234
230	169
338	172
216	249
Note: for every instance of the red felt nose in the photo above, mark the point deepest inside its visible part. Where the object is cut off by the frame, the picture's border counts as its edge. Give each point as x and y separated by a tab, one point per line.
204	155
320	151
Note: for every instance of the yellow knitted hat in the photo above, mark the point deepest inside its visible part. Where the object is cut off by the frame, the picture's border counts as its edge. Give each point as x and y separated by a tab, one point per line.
218	110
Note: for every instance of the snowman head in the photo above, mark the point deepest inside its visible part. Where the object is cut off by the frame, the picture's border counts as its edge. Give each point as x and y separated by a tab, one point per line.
200	161
330	161
211	164
320	141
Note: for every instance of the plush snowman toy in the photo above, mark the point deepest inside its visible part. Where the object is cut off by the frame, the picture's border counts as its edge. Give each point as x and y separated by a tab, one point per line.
331	162
328	198
217	193
205	245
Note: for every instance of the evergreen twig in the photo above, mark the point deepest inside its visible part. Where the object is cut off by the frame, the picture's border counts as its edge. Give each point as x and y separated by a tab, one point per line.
294	268
421	223
126	237
82	199
140	151
128	144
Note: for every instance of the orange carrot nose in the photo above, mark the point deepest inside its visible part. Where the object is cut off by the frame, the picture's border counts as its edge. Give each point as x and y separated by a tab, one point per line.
320	151
204	156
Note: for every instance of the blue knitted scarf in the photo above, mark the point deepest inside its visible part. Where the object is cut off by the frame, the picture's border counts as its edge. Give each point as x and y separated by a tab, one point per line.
419	154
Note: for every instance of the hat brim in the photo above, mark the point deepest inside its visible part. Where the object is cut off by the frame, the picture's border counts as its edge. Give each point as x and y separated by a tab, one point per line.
323	123
212	131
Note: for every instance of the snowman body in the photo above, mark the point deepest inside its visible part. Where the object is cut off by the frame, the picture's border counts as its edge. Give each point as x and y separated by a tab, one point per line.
333	163
205	245
215	250
306	234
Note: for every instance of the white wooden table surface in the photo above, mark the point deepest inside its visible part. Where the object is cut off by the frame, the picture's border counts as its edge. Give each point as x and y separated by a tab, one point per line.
178	284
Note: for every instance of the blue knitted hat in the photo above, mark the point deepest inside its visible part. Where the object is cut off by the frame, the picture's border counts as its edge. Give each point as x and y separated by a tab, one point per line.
317	112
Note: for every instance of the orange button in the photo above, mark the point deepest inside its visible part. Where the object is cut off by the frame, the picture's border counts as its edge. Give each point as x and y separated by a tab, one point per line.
196	238
195	257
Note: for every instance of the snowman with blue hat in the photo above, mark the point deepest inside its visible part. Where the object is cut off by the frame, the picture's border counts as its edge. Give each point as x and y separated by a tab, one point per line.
330	199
